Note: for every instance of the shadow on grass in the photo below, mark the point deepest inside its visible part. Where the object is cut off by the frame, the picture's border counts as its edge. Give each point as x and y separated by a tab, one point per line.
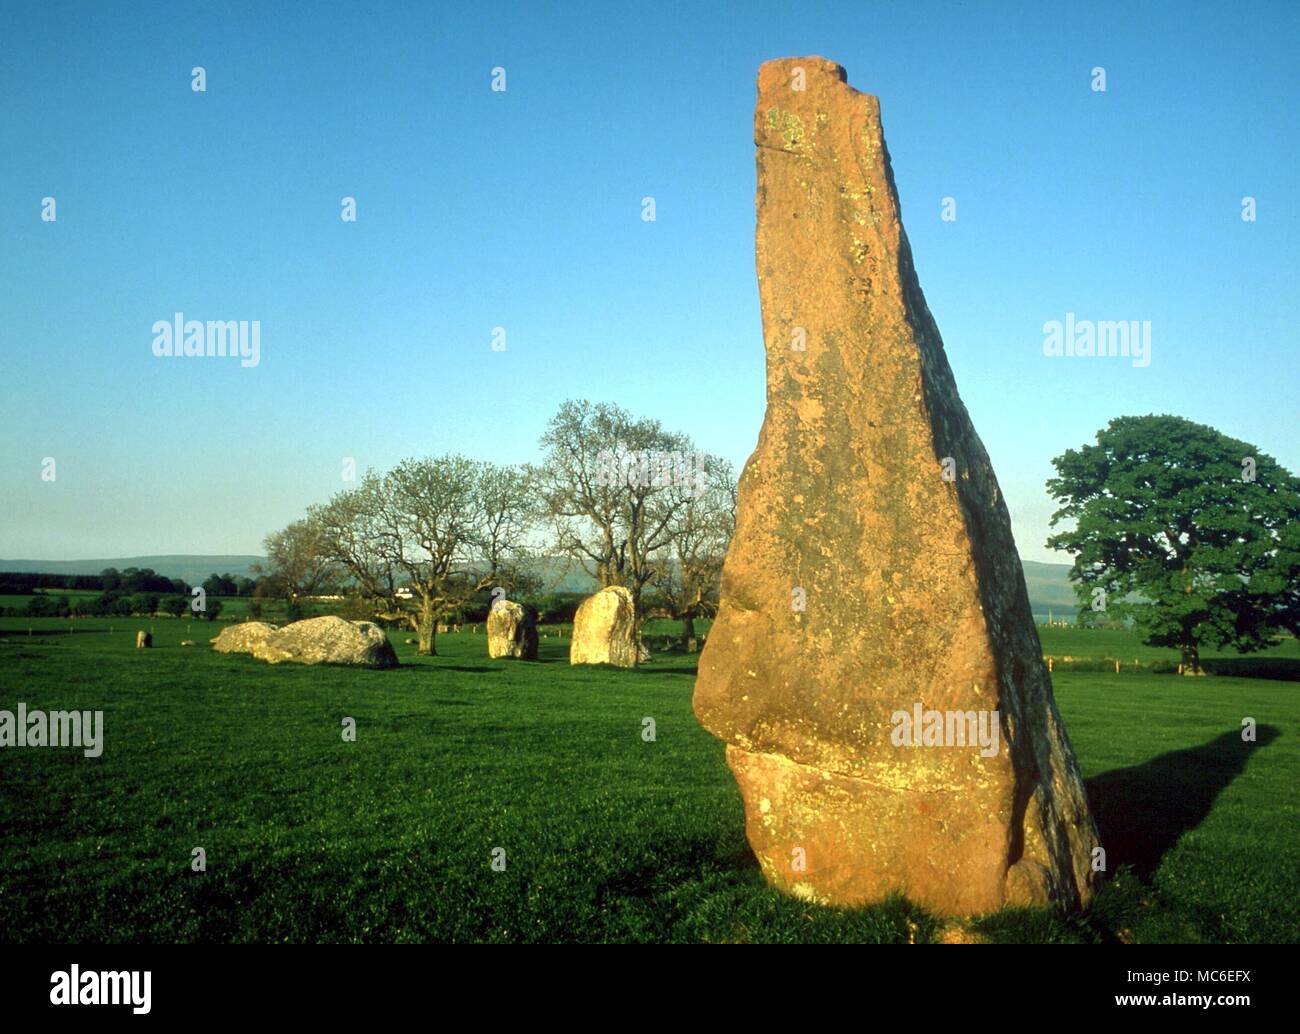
1142	811
640	670
469	669
1286	669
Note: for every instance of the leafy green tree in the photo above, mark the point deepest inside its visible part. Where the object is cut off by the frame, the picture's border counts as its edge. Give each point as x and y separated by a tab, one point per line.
220	585
143	579
144	603
176	606
90	607
1190	534
45	605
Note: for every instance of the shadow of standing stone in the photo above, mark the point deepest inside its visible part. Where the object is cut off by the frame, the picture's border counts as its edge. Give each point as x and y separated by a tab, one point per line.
1142	811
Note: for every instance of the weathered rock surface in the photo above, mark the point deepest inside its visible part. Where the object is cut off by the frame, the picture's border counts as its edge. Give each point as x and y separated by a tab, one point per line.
512	631
243	637
604	629
324	640
861	582
329	640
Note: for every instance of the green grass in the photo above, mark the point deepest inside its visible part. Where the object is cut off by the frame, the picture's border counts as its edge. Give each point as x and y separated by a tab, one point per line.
1101	643
607	837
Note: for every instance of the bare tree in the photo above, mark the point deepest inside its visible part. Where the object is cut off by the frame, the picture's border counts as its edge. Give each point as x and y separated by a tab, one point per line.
297	564
687	582
610	485
423	539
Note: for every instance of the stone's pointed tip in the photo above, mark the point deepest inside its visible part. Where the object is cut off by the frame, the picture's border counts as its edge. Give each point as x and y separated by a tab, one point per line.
778	72
812	63
799	95
812	83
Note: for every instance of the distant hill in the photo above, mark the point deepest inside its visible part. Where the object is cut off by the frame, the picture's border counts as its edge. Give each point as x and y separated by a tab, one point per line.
1050	589
1048	584
191	568
559	574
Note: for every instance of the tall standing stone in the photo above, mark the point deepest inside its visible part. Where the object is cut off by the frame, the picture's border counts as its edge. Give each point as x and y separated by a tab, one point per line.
873	574
604	629
512	630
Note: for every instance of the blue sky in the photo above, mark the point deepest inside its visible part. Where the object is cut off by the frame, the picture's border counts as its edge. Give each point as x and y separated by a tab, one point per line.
522	209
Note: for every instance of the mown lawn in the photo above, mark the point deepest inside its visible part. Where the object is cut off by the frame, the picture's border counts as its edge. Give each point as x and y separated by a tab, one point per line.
1126	646
607	837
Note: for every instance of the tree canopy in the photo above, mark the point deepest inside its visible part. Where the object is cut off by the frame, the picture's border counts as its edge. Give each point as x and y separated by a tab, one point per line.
422	539
621	491
1192	535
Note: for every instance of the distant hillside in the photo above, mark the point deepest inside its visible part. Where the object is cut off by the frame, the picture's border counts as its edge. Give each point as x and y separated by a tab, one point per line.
1049	585
192	568
559	574
1050	589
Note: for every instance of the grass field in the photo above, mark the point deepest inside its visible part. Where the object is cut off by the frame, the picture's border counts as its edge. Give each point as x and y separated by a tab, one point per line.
607	837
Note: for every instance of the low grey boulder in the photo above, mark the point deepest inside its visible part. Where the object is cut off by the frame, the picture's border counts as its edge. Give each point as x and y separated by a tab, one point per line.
242	638
326	640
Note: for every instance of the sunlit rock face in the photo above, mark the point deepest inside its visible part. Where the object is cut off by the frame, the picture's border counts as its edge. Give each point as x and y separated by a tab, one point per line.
874	669
512	631
323	640
604	629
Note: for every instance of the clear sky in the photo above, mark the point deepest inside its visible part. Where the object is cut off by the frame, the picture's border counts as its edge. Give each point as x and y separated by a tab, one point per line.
522	209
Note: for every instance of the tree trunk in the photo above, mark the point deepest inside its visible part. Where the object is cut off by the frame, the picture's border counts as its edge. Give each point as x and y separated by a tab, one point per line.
635	590
1191	659
688	628
426	631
